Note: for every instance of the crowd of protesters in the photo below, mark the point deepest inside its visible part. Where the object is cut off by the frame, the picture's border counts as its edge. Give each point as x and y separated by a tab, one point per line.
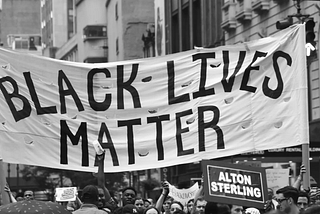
97	200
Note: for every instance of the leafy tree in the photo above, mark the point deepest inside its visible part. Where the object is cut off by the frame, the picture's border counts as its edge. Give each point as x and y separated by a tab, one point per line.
43	177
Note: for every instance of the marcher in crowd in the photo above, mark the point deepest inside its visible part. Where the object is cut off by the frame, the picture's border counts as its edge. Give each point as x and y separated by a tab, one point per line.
271	203
11	197
200	205
127	209
297	184
151	210
236	209
287	198
28	195
164	201
148	203
217	208
129	195
176	205
90	197
139	203
303	201
190	205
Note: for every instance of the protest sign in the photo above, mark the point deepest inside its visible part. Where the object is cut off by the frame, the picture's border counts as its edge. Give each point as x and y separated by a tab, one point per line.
237	184
277	178
183	195
155	112
66	194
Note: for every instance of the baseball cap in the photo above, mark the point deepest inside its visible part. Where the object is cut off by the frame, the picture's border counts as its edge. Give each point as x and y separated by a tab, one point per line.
129	209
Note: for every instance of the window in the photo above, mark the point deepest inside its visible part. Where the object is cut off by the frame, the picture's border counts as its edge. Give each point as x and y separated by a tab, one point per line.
94	31
21	44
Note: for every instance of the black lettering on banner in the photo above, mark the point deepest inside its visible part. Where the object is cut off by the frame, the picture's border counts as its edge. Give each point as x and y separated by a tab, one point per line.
203	74
109	145
130	137
26	109
158	120
121	85
212	124
171	96
69	91
98	106
244	83
181	130
35	99
64	133
227	85
278	91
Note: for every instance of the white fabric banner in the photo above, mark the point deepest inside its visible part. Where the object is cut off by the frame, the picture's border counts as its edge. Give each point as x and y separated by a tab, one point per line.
183	195
155	112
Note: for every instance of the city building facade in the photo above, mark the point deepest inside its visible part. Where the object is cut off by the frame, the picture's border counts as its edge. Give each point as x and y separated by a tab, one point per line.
129	20
20	30
88	43
214	23
57	24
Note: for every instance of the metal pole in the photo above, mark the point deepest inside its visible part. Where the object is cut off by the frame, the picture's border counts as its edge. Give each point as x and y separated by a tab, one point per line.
306	163
4	194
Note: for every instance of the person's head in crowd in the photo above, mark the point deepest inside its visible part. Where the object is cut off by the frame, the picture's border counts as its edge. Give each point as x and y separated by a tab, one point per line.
167	204
314	209
178	211
147	203
200	205
151	210
217	208
236	209
101	199
90	195
176	205
303	201
287	198
129	209
28	195
129	195
190	205
139	203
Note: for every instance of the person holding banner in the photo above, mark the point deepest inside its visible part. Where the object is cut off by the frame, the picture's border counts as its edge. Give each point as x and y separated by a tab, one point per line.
164	201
